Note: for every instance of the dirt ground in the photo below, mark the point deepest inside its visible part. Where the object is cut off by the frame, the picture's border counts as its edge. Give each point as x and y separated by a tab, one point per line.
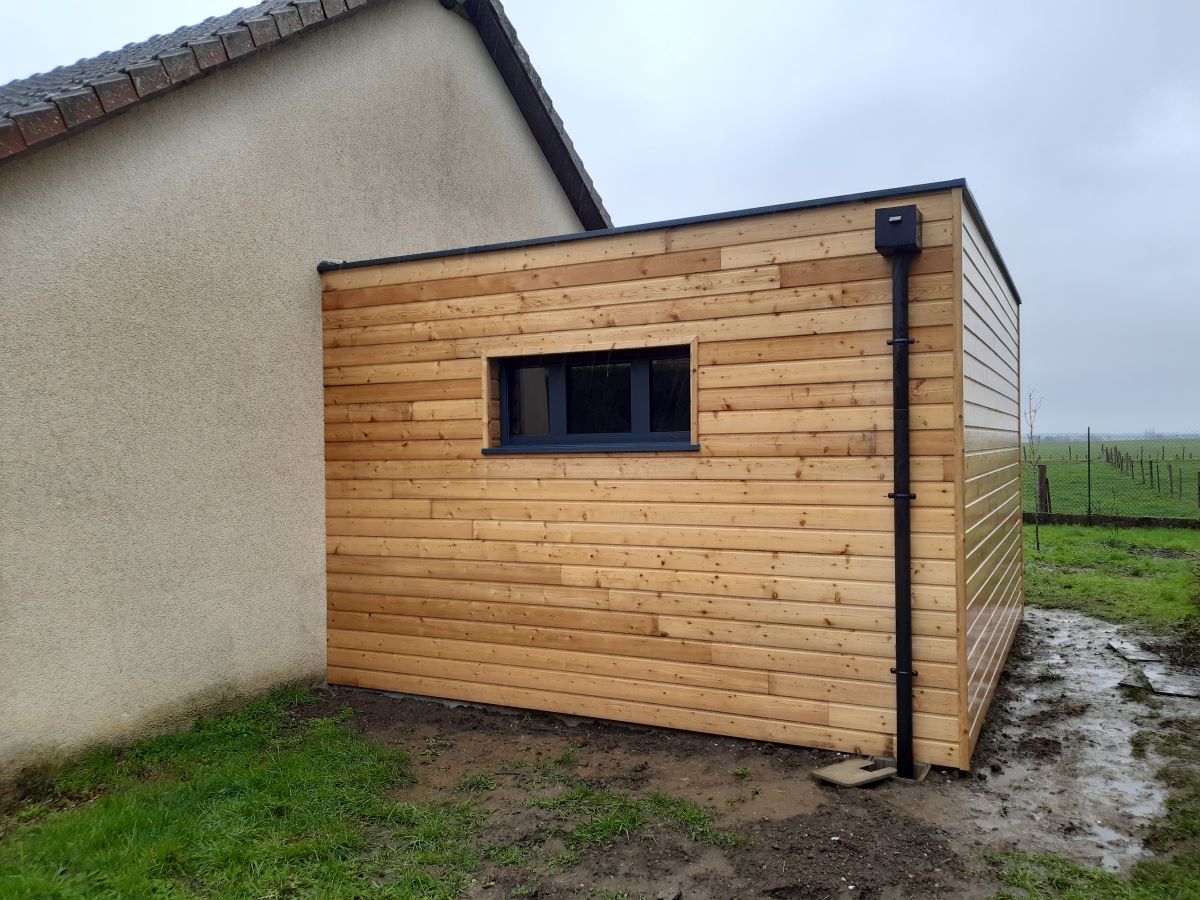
1054	772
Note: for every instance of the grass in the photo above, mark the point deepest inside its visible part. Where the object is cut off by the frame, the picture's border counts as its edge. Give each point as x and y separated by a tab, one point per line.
265	802
1115	493
250	804
1144	576
598	817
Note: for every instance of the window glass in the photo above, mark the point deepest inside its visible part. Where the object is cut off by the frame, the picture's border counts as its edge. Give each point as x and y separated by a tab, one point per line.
670	392
598	398
529	401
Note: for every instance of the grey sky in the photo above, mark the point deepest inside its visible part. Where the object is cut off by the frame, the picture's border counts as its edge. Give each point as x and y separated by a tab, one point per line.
1076	124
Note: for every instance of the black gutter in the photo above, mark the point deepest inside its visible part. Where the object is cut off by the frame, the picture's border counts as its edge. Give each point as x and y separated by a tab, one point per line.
865	196
898	235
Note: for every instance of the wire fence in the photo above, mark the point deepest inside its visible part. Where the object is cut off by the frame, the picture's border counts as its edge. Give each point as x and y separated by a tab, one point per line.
1101	476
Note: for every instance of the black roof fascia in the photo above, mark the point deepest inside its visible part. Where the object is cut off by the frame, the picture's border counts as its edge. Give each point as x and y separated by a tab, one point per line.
865	196
525	85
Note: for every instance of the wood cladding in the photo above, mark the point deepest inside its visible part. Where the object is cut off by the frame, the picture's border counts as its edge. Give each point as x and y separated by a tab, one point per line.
993	594
745	589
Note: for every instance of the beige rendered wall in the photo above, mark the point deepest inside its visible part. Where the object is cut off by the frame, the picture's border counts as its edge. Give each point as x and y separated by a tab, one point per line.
161	483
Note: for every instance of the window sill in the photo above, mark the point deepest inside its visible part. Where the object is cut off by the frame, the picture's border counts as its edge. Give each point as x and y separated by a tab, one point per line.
627	447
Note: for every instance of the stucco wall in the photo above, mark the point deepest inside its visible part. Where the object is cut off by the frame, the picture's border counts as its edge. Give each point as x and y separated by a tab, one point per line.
162	499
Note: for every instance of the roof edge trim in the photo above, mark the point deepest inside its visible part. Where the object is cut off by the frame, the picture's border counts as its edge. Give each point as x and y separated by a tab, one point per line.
864	196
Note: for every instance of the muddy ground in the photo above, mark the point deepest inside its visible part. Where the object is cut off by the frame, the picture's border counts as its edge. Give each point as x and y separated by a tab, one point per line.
1054	772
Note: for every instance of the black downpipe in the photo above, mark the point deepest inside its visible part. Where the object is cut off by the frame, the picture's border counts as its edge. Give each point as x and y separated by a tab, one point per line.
897	234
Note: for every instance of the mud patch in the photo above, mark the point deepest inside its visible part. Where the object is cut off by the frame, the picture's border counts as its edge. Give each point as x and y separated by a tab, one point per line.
1054	772
859	847
1039	748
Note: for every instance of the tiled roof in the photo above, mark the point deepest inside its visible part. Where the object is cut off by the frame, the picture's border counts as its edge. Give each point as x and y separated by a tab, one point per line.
42	109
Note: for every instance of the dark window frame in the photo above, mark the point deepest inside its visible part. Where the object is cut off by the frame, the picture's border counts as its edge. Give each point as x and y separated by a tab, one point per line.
638	439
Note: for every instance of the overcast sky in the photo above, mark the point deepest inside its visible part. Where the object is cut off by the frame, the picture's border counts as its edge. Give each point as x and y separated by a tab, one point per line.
1077	126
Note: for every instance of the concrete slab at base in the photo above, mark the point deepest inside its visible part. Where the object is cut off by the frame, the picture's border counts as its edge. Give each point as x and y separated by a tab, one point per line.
854	773
920	770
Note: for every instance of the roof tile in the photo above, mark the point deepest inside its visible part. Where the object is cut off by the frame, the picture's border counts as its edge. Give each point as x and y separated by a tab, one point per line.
238	41
209	52
39	123
263	30
180	64
148	77
287	20
78	107
310	11
10	138
115	91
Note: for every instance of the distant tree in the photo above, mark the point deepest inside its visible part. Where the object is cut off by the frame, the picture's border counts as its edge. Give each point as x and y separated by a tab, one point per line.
1033	456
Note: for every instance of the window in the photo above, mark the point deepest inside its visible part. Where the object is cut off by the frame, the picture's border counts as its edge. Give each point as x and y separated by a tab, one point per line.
591	402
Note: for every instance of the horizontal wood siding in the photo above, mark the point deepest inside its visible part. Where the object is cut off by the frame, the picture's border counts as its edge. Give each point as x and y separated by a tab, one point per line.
745	589
992	544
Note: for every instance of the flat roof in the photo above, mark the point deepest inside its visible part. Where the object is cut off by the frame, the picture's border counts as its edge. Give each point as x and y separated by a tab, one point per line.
865	196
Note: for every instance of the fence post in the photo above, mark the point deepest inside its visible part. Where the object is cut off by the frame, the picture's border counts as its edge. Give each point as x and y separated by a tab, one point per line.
1198	487
1043	498
1170	480
1142	466
1089	467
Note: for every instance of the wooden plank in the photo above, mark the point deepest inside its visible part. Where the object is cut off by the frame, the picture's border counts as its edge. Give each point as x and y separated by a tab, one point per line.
819	493
819	346
748	562
816	590
792	539
863	743
934	416
798	223
821	395
715	515
825	246
601	327
556	304
807	372
457	389
742	680
382	463
438	430
513	260
845	615
528	280
933	442
785	660
868	267
472	611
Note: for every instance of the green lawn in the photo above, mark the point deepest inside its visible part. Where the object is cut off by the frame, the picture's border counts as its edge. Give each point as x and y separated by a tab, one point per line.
1134	575
253	804
265	803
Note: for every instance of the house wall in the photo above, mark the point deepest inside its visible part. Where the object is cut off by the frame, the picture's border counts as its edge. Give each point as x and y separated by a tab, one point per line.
992	588
161	530
742	590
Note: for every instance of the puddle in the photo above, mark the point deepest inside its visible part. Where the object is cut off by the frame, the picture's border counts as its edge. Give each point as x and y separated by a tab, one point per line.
1059	732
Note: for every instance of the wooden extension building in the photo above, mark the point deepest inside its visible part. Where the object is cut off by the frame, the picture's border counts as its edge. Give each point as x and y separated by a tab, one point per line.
646	474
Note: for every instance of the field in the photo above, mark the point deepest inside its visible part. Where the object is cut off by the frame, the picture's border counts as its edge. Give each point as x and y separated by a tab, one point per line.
1116	493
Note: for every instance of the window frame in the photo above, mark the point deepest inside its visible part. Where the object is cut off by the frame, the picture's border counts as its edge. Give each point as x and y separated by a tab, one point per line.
498	438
